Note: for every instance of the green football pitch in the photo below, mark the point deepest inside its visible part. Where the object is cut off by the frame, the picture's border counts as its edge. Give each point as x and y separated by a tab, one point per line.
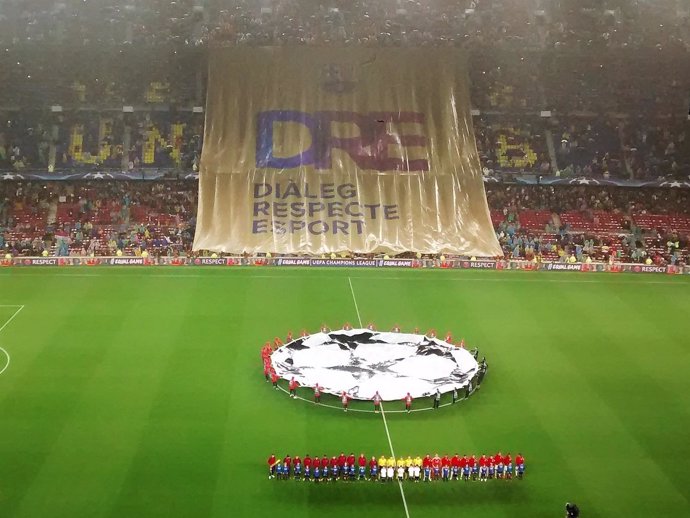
139	392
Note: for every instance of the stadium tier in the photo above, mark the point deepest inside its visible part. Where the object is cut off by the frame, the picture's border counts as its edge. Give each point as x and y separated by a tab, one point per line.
103	217
182	181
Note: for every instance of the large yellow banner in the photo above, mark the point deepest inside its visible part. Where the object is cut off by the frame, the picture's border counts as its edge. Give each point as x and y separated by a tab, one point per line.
318	150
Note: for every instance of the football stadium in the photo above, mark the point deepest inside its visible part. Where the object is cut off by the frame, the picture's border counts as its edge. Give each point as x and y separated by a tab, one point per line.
394	258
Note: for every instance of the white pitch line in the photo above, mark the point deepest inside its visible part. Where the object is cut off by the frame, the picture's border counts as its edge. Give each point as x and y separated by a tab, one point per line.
8	360
383	414
352	290
20	307
390	443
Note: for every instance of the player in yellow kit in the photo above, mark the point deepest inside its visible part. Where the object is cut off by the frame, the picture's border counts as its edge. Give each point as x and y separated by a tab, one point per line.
383	461
390	469
417	464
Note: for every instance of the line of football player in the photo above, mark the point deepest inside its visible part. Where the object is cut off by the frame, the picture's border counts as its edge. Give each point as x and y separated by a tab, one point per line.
427	469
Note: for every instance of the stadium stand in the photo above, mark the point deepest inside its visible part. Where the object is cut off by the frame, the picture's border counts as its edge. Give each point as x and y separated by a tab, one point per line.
561	90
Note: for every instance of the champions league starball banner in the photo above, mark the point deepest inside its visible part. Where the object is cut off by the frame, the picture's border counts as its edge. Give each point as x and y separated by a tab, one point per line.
362	362
319	150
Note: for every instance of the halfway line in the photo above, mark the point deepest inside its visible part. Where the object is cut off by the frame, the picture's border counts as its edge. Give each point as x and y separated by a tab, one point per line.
355	301
383	414
390	443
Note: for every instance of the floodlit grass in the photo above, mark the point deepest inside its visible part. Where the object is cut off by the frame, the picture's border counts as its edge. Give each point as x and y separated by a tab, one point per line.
139	392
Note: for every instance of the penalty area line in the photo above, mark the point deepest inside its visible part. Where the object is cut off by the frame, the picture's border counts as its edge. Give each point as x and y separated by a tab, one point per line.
383	413
19	308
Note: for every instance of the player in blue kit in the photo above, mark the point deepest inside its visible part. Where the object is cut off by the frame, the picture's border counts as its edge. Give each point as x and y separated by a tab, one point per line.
520	465
334	472
374	471
427	473
475	471
483	472
352	471
362	472
455	472
445	473
279	471
317	473
509	470
466	472
307	472
297	470
500	470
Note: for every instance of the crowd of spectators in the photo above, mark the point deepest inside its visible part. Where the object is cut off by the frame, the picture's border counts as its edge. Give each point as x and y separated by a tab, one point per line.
654	149
81	141
589	148
598	24
603	223
98	218
518	146
571	88
552	223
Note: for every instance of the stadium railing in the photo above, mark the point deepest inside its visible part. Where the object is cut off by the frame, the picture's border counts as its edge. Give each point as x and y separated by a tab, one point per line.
258	261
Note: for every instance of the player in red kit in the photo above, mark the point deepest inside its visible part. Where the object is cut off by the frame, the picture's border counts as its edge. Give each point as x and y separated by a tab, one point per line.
274	379
377	402
334	468
396	329
483	461
289	338
498	458
351	459
373	468
449	338
272	467
304	333
445	468
317	394
345	400
436	466
519	465
508	465
307	467
324	467
293	387
267	371
408	402
287	461
455	466
474	467
347	326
